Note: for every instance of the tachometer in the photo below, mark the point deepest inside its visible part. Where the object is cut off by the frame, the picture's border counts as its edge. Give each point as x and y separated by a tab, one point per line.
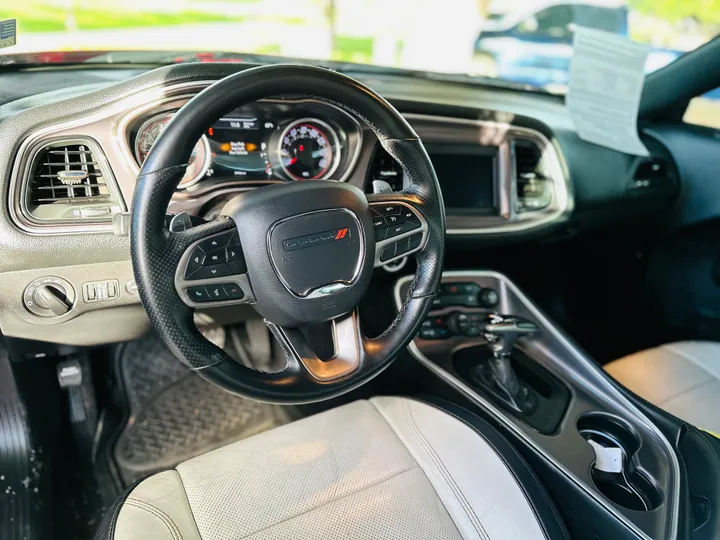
148	133
309	150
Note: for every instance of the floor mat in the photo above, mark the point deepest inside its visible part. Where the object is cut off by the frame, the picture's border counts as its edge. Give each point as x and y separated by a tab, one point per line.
175	415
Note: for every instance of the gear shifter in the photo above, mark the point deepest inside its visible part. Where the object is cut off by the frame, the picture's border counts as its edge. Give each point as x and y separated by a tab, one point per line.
501	333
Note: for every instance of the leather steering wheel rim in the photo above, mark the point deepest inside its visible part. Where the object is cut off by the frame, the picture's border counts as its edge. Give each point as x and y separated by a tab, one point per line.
156	251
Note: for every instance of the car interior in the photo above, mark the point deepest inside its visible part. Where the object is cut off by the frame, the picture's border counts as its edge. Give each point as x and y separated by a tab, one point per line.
281	300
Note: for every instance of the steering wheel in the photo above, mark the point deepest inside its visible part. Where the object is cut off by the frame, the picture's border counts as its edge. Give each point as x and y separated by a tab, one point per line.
298	252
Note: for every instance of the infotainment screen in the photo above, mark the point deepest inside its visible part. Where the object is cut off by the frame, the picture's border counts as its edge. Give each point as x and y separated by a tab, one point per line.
467	177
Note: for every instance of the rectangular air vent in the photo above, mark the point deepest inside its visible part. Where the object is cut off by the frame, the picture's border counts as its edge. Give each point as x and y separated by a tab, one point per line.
533	187
384	167
68	183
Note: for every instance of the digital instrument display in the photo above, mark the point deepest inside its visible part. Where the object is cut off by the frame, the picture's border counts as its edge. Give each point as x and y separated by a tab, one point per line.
467	179
253	144
239	148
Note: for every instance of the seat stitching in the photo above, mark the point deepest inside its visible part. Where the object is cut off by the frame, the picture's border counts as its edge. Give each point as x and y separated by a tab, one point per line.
450	485
330	502
187	499
162	516
690	358
469	511
514	476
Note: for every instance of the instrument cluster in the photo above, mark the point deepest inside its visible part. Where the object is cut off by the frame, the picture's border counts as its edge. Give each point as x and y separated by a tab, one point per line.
266	141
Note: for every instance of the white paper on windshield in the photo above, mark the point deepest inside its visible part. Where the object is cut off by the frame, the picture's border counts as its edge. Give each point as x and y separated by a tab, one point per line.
8	32
607	72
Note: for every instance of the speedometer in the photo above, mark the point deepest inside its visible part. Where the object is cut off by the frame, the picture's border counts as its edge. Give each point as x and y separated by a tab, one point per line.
148	133
309	150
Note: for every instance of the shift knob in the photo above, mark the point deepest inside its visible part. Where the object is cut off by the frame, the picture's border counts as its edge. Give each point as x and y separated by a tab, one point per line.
503	331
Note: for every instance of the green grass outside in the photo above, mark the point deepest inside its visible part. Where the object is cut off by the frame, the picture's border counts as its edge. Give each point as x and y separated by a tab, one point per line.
353	49
38	17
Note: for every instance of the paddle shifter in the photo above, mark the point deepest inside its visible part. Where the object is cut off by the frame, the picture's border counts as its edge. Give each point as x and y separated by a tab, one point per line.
501	333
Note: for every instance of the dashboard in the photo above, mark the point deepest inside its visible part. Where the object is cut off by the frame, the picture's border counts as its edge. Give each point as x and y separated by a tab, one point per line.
69	161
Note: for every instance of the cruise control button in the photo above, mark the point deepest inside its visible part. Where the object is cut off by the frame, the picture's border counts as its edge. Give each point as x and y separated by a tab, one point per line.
394	220
389	209
217	270
388	252
402	228
414	241
197	294
197	257
409	215
233	291
215	257
379	222
216	292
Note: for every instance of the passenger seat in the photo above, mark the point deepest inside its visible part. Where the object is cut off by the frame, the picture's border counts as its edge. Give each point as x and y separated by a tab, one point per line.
682	378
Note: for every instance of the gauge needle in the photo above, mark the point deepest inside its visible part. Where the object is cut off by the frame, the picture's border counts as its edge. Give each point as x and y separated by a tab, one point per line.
292	160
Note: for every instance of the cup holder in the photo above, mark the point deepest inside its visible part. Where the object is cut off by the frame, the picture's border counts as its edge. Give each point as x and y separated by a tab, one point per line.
615	471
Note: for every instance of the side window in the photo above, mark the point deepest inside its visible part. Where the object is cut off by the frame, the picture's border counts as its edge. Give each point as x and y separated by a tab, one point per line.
704	110
553	22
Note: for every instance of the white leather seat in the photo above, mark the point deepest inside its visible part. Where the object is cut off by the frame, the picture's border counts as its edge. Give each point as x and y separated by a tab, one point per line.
386	468
682	378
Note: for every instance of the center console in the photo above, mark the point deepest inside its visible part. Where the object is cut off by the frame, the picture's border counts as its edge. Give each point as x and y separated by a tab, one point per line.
487	340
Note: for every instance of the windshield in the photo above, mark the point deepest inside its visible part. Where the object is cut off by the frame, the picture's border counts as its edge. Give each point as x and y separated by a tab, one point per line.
518	41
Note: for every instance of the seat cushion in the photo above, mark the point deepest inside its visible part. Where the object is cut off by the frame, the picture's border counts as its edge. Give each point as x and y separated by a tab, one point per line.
386	468
682	378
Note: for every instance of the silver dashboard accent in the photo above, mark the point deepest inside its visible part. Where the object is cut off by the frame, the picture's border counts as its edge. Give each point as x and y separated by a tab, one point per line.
380	245
501	135
202	149
592	374
22	176
241	280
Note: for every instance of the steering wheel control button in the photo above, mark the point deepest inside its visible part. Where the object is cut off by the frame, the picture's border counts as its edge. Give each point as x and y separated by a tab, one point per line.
390	209
388	252
233	291
394	220
216	242
414	241
409	215
209	272
198	294
216	292
215	257
196	260
397	230
403	246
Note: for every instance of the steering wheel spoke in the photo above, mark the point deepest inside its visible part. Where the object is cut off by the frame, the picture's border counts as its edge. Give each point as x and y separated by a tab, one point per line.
211	268
401	229
341	353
